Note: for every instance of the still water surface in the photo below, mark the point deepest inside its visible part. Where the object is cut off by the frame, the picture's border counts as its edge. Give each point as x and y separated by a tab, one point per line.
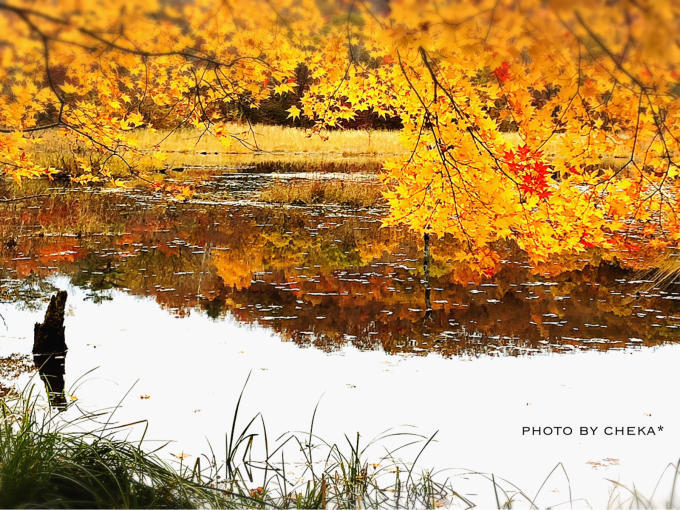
180	302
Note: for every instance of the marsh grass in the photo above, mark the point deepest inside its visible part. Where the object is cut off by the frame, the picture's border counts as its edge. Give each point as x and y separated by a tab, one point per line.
43	464
330	166
52	460
188	147
336	191
276	139
49	460
149	150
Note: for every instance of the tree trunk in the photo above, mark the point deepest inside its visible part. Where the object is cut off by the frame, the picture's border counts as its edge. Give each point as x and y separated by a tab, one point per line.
426	276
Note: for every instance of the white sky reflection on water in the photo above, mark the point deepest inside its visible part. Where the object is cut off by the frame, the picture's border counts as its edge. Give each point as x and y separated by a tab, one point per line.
193	368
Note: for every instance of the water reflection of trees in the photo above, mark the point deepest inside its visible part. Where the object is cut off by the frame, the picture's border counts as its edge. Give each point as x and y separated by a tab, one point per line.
30	292
327	278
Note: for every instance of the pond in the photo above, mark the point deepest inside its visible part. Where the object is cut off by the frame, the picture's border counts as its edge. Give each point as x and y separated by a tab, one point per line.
174	304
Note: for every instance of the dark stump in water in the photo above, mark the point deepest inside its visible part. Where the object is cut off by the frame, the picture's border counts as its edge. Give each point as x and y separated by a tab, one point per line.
49	349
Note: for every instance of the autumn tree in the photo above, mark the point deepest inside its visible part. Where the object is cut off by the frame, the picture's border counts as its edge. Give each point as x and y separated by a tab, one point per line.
95	71
543	123
550	124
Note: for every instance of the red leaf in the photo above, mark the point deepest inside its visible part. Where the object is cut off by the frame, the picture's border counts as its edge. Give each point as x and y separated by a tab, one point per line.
502	72
586	243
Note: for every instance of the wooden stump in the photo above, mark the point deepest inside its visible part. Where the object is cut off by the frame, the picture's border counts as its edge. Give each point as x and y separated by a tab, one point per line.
49	337
49	349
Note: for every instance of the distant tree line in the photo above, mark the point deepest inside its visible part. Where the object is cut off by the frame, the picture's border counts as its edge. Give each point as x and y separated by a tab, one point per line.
273	110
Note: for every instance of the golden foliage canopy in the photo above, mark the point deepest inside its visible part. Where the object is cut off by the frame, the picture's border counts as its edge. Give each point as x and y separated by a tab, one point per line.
552	124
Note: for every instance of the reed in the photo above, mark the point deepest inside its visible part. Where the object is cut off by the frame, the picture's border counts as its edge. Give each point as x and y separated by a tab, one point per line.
150	150
47	461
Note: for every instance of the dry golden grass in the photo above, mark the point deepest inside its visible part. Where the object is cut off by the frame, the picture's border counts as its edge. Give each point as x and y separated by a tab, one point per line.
277	139
335	191
261	145
191	148
294	162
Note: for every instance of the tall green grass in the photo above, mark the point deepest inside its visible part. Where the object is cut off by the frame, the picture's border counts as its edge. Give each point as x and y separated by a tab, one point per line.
52	460
45	464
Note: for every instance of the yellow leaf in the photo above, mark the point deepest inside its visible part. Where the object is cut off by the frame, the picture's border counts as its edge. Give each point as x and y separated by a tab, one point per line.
69	88
293	112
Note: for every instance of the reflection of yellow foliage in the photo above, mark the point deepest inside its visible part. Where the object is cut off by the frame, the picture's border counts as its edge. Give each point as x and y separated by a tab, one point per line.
236	268
383	243
381	305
